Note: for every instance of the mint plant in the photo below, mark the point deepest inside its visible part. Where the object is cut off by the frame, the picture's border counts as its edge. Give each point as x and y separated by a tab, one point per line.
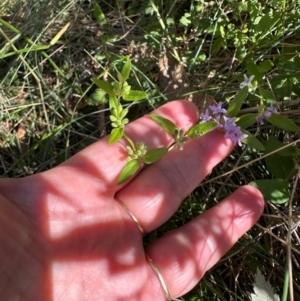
114	93
214	117
138	154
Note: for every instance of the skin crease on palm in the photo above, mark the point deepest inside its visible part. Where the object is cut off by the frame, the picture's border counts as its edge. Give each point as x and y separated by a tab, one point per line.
63	235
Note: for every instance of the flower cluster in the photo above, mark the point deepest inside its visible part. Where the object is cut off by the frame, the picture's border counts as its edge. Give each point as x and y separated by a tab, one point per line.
232	131
266	114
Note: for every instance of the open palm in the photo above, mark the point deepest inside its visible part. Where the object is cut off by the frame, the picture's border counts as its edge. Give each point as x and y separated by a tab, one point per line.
64	236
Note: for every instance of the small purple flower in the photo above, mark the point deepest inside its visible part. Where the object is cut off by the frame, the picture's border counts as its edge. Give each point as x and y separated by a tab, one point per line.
229	127
205	116
267	114
260	120
233	132
225	123
247	81
229	121
217	118
272	109
218	109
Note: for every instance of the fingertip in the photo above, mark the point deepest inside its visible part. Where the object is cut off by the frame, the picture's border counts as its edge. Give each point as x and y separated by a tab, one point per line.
185	254
253	197
243	208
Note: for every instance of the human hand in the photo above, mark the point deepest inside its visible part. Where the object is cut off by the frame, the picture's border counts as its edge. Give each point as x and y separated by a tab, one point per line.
64	236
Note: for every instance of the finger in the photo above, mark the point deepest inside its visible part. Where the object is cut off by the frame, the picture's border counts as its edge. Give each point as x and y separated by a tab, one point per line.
155	195
185	254
103	162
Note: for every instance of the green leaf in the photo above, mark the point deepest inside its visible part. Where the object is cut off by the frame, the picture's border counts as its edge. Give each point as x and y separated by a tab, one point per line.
129	170
265	66
283	123
98	97
217	45
280	166
170	21
118	110
116	135
59	34
267	96
222	31
252	141
135	95
126	70
120	77
263	290
253	70
98	13
113	102
275	190
185	19
274	143
166	124
105	86
125	89
125	121
237	102
267	22
113	118
155	154
246	120
123	113
201	129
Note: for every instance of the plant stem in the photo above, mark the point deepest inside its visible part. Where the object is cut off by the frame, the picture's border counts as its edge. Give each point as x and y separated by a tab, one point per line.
129	141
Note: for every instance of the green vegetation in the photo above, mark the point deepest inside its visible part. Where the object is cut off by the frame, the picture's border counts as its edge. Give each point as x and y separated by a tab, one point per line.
53	54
